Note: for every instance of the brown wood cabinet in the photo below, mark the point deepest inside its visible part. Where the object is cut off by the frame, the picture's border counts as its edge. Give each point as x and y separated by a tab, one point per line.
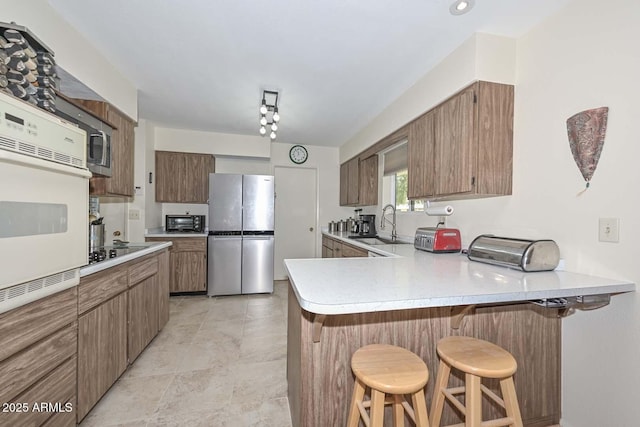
420	157
188	259
38	358
122	151
143	306
143	316
183	177
164	278
327	247
334	248
121	310
530	333
463	148
359	182
102	350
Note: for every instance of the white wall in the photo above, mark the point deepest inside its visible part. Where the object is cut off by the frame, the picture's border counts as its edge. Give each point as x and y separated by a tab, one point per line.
481	57
73	52
585	56
221	144
248	155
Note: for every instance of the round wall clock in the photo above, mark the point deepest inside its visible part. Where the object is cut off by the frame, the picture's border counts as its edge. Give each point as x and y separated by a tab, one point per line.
298	154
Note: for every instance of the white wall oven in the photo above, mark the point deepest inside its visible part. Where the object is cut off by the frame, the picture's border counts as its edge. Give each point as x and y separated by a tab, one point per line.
44	200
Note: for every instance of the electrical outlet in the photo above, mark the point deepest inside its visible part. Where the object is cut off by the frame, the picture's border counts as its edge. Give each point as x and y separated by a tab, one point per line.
608	230
134	214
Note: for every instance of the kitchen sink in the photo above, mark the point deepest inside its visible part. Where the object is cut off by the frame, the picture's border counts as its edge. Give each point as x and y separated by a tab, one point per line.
378	241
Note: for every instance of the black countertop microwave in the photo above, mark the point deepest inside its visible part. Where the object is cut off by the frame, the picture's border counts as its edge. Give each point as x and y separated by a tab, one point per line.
184	223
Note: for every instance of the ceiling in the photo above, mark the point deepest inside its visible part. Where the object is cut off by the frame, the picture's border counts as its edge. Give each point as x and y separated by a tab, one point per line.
202	64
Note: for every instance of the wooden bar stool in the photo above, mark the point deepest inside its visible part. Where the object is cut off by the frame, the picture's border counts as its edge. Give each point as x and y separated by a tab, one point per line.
390	372
477	359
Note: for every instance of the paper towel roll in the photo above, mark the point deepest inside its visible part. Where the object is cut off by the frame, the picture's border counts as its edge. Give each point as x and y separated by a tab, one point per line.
439	210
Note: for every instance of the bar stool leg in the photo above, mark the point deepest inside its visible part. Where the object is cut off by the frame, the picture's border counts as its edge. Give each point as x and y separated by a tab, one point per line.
398	411
511	401
437	405
473	401
354	412
377	408
420	409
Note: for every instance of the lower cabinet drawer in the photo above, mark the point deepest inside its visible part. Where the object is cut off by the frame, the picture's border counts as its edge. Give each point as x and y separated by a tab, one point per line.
23	326
20	371
52	395
142	270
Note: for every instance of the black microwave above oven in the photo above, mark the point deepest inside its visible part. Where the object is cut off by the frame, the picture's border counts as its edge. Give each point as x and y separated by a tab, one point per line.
98	135
184	223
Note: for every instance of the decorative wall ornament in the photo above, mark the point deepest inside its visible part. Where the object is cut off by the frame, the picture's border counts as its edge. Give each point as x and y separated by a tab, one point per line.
586	131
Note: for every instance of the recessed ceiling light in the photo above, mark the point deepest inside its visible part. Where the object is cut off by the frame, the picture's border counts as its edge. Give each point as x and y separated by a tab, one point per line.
460	7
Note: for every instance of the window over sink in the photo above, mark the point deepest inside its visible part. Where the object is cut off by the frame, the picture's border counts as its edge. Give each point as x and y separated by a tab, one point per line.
395	180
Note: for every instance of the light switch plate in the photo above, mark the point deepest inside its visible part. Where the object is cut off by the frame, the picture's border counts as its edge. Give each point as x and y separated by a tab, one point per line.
134	214
609	230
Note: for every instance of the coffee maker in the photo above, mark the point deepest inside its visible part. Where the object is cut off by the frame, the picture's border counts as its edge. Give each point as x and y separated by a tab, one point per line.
367	225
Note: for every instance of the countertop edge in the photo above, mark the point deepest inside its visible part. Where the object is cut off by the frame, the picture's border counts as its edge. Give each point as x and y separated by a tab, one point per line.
101	266
583	285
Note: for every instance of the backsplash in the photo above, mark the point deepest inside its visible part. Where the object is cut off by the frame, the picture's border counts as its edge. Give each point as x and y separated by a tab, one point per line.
114	212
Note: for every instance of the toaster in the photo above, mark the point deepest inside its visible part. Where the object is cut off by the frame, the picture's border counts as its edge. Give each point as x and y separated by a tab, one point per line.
434	239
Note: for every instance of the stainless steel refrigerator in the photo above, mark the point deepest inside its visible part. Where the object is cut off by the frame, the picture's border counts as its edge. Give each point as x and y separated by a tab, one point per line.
241	239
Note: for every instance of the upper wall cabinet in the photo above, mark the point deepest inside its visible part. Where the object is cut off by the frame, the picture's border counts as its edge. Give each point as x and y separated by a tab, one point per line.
420	157
359	182
122	148
183	177
464	147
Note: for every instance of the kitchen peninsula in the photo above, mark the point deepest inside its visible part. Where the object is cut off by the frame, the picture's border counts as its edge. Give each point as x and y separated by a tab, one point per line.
413	300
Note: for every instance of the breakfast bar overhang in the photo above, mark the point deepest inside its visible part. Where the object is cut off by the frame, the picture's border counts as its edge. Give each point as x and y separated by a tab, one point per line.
339	305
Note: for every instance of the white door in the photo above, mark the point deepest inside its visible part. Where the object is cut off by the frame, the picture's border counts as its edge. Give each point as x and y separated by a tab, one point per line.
296	216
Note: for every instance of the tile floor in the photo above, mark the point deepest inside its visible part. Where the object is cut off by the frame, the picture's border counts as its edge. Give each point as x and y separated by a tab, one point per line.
218	362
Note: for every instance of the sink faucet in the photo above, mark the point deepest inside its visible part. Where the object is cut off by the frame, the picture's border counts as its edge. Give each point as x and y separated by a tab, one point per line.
393	223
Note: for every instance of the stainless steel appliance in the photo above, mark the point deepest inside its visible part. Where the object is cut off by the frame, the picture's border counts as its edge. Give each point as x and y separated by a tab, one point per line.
44	227
98	136
434	239
241	238
367	225
525	255
184	223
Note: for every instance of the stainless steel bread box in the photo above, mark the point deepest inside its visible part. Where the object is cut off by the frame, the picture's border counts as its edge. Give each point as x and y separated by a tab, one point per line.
525	255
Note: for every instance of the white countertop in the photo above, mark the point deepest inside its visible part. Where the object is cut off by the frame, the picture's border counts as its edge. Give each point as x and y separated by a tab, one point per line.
161	232
410	278
147	248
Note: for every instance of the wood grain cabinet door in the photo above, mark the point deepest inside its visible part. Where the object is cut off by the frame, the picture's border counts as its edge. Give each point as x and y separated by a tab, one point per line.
164	272
191	271
344	184
183	177
455	144
197	170
122	154
102	351
368	181
168	166
353	190
143	316
420	157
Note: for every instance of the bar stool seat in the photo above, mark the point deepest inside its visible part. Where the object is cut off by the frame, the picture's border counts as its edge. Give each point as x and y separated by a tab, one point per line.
390	372
477	359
